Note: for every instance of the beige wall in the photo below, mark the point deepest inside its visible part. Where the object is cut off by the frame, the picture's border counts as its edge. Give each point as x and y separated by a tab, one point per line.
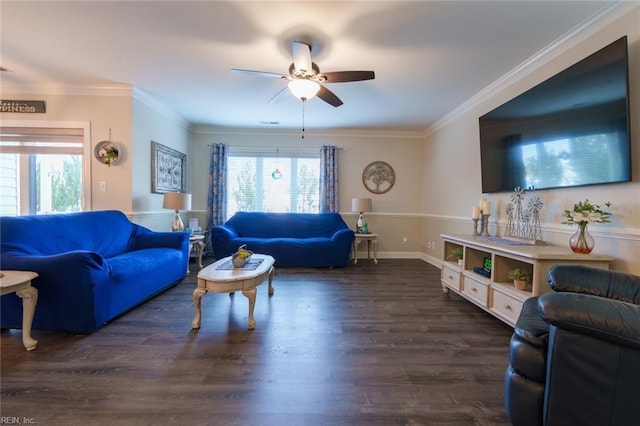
134	121
451	177
396	214
152	122
103	112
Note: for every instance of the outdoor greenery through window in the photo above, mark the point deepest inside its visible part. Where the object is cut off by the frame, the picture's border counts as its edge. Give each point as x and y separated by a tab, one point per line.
273	183
41	170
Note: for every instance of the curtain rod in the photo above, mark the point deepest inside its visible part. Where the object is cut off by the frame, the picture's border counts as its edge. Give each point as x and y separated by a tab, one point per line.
261	148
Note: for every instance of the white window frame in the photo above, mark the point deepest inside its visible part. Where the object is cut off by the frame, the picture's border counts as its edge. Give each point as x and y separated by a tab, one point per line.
86	161
236	151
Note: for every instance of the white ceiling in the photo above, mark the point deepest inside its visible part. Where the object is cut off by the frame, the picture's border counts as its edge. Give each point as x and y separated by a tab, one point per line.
429	56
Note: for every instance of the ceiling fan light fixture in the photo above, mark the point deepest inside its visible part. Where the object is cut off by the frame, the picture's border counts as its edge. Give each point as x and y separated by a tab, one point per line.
304	89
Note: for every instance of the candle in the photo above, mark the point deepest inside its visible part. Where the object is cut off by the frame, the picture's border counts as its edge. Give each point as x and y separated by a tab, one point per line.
486	207
476	212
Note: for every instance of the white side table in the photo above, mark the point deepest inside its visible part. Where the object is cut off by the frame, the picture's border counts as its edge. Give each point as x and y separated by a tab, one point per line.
197	241
371	239
20	283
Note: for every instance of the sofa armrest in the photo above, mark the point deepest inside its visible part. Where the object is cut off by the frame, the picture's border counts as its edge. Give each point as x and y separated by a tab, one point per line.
69	269
595	281
145	239
606	319
17	249
223	233
345	233
530	327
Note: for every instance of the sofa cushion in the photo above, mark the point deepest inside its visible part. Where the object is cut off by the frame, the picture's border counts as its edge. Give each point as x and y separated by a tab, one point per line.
140	262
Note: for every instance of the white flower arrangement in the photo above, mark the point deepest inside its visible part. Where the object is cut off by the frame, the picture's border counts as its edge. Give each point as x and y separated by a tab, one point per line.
585	212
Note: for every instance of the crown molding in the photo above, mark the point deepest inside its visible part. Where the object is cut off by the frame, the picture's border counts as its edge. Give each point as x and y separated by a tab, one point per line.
68	89
310	134
127	90
556	48
150	101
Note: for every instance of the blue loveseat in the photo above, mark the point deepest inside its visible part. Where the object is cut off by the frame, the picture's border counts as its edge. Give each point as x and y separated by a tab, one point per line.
92	266
293	239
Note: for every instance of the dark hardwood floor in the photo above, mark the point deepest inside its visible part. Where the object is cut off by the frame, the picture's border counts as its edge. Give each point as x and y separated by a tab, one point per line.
367	344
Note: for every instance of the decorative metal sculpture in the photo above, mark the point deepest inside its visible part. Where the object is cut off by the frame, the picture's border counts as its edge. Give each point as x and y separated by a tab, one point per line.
524	224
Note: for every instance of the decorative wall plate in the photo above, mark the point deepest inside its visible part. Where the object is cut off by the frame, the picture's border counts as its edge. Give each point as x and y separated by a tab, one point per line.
378	177
106	152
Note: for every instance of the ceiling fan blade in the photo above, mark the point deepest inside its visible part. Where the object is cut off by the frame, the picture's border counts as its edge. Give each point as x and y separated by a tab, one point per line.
345	76
329	97
258	73
302	57
283	94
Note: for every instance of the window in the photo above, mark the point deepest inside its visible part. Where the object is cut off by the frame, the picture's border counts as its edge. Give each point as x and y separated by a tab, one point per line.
272	182
41	169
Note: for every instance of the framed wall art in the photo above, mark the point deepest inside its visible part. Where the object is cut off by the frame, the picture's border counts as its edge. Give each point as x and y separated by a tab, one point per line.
378	177
168	169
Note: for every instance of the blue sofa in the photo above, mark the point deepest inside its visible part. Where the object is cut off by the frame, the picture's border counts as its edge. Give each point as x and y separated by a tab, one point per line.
293	239
92	266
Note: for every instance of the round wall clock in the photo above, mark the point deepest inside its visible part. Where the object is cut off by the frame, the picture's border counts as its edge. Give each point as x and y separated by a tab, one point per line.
378	177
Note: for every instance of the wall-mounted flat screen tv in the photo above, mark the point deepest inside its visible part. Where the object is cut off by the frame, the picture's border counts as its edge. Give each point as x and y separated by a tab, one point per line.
570	130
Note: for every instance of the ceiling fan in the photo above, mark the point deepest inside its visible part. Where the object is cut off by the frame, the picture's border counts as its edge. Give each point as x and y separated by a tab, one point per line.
306	80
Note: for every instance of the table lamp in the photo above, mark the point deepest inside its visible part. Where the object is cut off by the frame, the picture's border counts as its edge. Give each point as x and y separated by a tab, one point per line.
177	201
360	205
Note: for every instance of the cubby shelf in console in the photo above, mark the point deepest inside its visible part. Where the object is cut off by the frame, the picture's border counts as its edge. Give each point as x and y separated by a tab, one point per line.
493	291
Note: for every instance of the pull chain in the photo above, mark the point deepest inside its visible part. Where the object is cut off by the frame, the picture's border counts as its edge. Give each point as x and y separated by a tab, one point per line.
303	101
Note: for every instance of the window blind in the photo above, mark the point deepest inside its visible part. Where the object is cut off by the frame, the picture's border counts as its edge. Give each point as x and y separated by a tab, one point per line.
41	140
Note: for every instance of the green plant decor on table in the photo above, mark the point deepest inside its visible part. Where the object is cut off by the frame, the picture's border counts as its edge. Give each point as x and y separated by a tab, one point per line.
520	275
456	253
582	214
521	278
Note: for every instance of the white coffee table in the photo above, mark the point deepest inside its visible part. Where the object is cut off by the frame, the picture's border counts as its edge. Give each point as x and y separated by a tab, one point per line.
217	280
20	283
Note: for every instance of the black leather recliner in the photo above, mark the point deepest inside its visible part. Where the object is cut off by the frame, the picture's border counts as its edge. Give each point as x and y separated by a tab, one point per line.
575	353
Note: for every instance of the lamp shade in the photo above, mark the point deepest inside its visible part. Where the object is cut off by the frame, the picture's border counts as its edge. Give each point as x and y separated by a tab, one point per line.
176	201
304	89
361	205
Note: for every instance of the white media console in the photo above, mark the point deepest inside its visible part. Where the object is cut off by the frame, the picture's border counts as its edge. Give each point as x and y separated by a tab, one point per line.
496	293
